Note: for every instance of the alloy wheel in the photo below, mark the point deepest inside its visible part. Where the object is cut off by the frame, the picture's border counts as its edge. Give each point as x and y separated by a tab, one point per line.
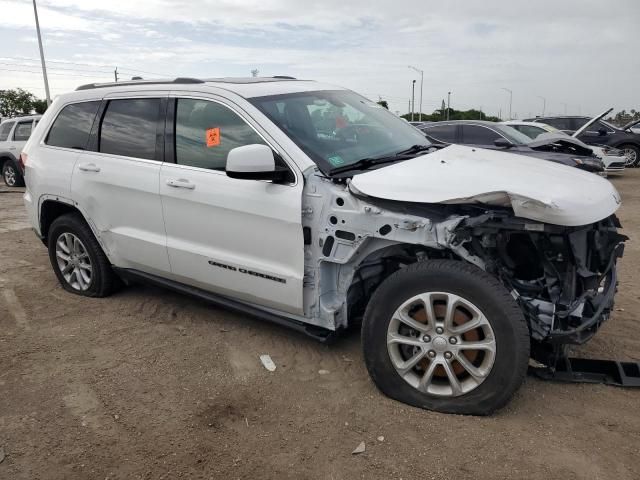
631	156
74	261
10	175
441	344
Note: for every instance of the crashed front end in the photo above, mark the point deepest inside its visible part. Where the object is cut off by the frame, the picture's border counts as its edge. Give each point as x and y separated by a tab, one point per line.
564	278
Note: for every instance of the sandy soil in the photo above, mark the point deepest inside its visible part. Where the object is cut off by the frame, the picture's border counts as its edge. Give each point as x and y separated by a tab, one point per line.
152	384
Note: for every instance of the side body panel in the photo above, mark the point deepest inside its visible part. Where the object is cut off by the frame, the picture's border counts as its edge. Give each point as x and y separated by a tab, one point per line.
241	238
119	197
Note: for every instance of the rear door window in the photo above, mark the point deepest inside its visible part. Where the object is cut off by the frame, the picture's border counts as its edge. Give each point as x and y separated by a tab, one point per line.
206	132
129	128
442	133
72	126
5	129
23	131
478	135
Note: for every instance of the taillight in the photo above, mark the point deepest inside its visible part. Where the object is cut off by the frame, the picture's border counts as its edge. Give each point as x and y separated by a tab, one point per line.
23	161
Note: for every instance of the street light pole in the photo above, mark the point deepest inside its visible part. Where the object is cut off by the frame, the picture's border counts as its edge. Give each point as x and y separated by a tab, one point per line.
565	107
421	72
510	100
448	104
44	67
413	98
544	104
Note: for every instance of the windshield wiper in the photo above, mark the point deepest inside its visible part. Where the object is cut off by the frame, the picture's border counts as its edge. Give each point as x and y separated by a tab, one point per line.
414	149
366	163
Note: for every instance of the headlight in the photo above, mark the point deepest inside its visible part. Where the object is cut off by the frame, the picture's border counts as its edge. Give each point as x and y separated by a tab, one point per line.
612	151
578	161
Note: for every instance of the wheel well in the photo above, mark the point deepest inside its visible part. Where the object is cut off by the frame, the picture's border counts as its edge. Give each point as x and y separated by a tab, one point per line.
378	266
628	144
3	160
50	210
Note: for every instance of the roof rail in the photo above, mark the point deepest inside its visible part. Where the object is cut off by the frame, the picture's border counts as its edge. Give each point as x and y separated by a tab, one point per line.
183	80
285	77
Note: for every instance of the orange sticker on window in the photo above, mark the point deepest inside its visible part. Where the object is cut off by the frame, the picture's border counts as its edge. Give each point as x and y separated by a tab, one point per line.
213	137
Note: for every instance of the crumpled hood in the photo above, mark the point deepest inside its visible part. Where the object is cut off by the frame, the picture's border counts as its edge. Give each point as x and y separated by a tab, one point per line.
535	189
562	140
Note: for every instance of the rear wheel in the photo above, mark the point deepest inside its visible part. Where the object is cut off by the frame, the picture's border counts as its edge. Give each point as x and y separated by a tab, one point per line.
632	154
77	258
11	175
445	335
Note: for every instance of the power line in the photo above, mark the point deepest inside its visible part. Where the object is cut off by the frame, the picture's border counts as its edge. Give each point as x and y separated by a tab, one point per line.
122	67
52	73
54	68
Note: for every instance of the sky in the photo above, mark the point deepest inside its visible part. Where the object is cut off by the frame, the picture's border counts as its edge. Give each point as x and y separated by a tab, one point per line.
580	56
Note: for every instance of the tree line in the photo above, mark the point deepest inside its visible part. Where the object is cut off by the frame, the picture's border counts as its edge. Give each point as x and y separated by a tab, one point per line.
18	102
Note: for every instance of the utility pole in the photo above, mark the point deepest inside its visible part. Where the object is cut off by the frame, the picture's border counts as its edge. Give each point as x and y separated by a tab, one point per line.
448	104
544	104
421	72
413	98
115	74
44	66
510	100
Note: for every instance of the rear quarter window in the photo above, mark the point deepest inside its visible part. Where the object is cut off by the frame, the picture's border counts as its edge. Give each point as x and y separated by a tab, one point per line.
72	126
5	129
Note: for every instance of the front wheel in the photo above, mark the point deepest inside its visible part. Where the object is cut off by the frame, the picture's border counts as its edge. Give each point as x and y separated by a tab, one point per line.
632	154
446	336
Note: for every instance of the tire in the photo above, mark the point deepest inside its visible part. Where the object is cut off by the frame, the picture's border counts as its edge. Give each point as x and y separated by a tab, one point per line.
633	150
502	327
101	279
11	175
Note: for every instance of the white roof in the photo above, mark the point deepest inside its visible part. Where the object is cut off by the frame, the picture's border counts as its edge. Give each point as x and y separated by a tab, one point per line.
245	87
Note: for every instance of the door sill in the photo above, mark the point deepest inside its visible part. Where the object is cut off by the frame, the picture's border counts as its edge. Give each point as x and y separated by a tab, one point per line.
320	334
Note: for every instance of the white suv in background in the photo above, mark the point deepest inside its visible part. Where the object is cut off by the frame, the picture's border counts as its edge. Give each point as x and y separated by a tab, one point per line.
310	206
14	133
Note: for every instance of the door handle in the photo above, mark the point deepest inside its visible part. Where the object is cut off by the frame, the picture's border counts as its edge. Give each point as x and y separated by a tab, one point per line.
181	183
88	167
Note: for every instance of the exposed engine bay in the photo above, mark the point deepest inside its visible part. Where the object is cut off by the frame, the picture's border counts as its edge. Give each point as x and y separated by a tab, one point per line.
563	277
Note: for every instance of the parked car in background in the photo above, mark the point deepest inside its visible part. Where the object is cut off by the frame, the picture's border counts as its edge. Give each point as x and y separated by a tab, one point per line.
598	132
458	264
614	159
496	136
14	133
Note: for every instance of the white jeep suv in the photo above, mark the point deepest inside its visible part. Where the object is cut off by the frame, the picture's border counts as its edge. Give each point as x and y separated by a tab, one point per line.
310	206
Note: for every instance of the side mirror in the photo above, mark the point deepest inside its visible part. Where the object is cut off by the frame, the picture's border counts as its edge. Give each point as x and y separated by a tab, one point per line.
254	162
602	132
502	143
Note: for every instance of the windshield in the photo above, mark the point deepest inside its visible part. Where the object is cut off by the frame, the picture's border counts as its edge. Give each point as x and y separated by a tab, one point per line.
339	128
612	127
513	135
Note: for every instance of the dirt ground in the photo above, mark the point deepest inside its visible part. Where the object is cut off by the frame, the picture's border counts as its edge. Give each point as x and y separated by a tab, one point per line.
155	385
